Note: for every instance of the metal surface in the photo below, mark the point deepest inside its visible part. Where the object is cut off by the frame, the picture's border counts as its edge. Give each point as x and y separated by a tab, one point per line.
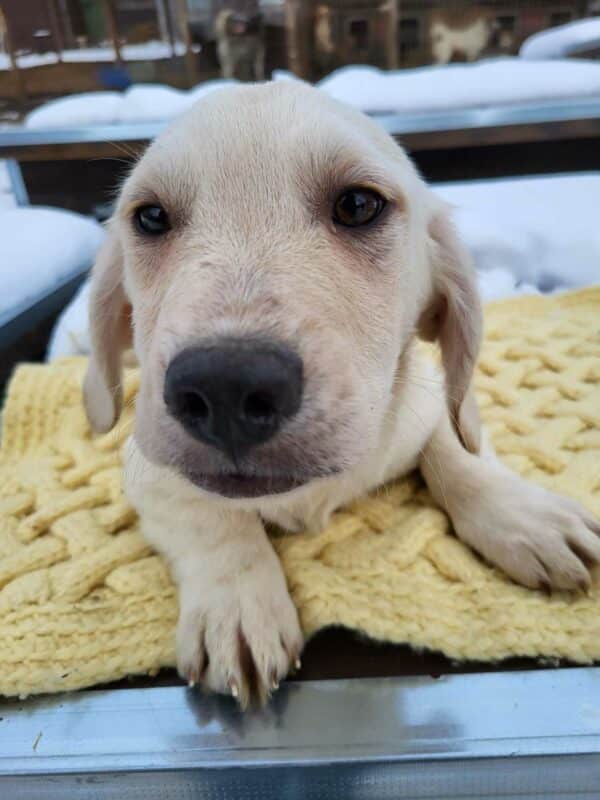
17	184
472	127
493	116
505	734
27	315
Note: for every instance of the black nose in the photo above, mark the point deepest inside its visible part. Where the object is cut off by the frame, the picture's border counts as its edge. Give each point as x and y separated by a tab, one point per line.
234	394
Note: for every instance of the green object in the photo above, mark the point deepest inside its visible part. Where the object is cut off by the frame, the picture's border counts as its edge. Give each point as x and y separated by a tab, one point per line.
95	21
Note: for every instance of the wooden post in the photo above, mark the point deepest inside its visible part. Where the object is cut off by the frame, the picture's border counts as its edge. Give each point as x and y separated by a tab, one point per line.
111	19
14	65
389	12
165	23
59	44
184	30
64	15
299	23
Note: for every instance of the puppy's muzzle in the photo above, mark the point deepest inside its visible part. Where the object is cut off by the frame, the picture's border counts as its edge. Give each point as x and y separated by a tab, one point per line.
234	394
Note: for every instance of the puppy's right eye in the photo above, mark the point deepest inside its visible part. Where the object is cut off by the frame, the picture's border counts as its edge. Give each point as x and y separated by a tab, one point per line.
357	206
152	220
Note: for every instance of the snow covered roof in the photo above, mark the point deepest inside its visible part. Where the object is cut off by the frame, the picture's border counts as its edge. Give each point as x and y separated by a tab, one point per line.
563	40
140	103
499	81
504	81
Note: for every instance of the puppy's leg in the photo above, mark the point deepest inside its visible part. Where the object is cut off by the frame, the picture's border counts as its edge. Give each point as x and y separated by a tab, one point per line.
226	60
238	629
259	63
537	537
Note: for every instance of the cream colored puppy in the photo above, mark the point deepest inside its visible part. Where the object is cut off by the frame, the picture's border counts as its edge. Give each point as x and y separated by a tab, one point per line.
274	256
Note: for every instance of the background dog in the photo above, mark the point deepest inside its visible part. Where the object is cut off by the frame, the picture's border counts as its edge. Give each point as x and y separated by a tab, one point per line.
240	45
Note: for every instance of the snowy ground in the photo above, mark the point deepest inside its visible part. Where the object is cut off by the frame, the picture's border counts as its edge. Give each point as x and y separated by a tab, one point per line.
41	248
525	234
502	81
148	51
563	40
7	199
530	234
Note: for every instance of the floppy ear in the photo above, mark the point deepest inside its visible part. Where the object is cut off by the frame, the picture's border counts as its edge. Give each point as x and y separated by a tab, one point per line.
110	333
453	316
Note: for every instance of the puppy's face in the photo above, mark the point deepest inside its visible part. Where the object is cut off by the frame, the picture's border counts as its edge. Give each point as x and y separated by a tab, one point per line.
276	250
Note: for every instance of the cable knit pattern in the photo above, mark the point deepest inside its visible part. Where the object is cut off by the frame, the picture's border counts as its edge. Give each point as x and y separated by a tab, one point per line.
84	600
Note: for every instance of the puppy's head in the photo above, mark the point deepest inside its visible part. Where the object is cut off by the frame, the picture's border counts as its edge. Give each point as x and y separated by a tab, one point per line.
273	253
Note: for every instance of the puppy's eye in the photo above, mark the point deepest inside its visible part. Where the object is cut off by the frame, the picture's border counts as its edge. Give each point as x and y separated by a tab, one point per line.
152	220
356	207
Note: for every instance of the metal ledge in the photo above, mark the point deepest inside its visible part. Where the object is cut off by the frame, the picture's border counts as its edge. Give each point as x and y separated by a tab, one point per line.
576	118
504	734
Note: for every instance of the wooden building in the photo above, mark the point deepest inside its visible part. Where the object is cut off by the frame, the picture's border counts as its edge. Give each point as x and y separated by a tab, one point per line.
38	26
455	30
326	34
67	46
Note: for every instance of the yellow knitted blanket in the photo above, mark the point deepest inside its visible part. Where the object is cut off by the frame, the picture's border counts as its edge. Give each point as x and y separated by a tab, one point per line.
83	600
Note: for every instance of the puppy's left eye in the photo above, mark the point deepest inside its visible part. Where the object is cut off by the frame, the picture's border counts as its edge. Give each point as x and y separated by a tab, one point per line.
357	206
152	220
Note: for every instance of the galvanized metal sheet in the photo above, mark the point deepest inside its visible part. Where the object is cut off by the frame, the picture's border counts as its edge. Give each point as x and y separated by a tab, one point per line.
509	734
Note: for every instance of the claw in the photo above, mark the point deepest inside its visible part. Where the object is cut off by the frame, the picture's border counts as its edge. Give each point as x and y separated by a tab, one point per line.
235	692
584	587
191	683
297	664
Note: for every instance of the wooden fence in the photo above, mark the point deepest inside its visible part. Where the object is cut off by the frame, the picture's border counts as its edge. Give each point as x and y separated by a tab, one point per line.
22	81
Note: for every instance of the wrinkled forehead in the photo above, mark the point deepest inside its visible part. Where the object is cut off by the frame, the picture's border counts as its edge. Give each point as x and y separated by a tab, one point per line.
266	146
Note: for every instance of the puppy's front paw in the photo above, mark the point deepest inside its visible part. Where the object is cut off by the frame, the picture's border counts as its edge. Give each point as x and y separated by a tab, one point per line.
240	639
538	538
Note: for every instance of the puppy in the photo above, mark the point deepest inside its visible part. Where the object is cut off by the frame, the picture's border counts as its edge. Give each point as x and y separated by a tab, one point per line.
273	257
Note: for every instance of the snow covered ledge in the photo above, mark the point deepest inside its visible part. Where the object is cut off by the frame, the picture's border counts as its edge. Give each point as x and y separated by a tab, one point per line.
563	41
42	250
507	82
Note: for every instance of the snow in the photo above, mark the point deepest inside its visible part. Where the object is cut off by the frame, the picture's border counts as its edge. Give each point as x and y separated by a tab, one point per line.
41	248
154	103
4	178
71	334
147	51
90	108
7	200
140	103
501	81
563	40
525	234
542	231
504	81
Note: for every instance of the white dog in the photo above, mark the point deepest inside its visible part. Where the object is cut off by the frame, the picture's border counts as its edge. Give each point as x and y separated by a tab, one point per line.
273	257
